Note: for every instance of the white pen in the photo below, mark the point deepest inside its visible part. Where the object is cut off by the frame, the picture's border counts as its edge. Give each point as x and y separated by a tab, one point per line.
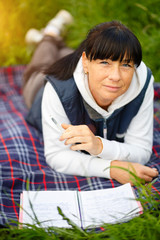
59	127
57	124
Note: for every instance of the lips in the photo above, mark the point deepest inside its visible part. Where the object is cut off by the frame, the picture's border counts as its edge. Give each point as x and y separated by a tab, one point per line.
112	88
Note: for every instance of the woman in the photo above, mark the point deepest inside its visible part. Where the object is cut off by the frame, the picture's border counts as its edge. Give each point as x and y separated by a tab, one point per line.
102	96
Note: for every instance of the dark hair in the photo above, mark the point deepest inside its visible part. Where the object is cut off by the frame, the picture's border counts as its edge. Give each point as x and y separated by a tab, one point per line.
107	40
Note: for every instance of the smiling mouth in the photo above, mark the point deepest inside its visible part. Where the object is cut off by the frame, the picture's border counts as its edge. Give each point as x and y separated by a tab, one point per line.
112	88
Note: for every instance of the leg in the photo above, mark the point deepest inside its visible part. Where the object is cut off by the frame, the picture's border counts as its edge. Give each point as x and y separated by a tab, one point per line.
50	49
45	54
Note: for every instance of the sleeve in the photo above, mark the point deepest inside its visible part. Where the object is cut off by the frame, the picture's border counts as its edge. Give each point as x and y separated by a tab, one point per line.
137	146
59	156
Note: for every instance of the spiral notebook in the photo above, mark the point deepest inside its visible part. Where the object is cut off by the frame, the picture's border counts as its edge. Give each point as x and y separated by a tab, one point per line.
87	209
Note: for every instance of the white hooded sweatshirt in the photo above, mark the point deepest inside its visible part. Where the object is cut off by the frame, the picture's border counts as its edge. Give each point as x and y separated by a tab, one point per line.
137	146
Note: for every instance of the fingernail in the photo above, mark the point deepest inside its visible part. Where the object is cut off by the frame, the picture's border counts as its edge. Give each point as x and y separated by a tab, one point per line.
155	169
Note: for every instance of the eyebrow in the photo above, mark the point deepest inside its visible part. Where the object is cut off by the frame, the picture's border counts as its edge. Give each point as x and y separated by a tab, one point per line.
127	60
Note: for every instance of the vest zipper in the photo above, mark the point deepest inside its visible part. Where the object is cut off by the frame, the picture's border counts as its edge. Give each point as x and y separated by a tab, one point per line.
105	128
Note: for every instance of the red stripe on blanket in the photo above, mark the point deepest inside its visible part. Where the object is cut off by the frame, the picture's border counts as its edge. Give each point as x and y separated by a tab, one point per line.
155	152
78	185
156	118
32	141
53	182
155	189
23	163
20	137
112	183
10	76
6	206
102	229
12	175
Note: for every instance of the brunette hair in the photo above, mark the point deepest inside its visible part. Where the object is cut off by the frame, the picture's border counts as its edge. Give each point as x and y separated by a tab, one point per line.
107	40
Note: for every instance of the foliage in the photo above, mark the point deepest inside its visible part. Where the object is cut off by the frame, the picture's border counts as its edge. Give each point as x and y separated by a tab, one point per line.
145	226
142	17
17	16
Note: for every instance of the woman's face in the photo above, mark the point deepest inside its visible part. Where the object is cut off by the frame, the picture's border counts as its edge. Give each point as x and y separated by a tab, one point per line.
107	79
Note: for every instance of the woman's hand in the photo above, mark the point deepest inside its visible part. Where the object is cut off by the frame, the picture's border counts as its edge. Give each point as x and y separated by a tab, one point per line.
123	176
81	138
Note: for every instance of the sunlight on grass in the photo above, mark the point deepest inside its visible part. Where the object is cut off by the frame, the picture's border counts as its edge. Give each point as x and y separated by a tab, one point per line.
16	17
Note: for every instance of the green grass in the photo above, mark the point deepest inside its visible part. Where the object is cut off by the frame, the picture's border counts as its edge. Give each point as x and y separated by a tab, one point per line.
17	16
144	227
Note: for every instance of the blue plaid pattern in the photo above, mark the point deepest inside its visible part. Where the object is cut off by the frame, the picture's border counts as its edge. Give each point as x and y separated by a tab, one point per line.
22	159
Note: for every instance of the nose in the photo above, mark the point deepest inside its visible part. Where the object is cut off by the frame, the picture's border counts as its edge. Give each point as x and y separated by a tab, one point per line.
114	74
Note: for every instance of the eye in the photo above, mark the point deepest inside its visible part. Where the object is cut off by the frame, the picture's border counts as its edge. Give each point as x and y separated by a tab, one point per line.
104	62
127	65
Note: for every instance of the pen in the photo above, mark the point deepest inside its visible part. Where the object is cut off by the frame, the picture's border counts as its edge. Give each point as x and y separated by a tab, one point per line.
59	127
57	124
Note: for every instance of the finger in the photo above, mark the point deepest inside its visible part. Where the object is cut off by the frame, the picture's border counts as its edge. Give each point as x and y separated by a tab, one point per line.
79	130
77	147
152	172
68	133
74	131
75	140
65	126
147	178
156	171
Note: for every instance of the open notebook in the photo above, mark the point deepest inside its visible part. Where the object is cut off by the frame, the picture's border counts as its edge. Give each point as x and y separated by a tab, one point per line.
85	208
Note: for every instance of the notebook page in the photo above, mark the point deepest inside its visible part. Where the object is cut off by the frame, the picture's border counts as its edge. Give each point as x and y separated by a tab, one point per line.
45	207
108	205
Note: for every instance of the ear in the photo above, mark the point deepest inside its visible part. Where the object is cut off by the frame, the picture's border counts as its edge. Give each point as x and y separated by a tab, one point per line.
85	62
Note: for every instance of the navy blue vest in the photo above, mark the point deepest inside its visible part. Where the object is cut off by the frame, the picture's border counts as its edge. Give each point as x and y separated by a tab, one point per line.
73	105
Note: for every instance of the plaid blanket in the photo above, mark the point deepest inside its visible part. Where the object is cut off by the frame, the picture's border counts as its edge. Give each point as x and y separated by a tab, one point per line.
22	162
